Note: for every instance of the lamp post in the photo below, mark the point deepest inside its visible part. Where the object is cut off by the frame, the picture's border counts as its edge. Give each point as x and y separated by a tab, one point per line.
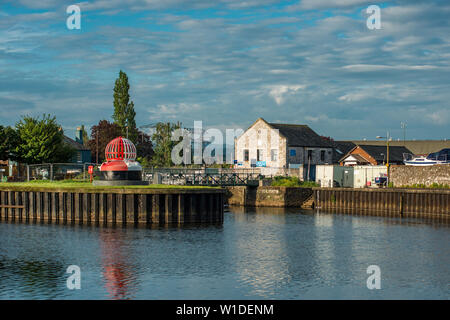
388	137
403	126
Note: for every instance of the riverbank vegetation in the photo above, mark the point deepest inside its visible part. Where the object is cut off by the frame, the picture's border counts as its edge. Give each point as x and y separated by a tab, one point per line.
78	184
285	181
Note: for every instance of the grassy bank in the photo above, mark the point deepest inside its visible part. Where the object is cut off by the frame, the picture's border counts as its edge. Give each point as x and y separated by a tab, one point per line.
70	184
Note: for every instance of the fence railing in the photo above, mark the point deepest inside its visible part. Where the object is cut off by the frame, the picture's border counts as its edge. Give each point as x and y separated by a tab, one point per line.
59	171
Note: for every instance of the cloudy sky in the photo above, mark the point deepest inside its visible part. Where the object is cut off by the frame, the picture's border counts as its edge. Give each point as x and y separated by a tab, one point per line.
228	62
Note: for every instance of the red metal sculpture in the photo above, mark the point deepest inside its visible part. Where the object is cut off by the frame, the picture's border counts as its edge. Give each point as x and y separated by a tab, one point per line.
121	161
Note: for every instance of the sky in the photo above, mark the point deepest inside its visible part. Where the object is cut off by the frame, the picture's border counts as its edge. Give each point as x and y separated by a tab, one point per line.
229	62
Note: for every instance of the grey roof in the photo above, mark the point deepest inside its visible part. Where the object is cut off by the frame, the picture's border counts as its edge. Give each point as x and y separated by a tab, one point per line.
416	146
376	152
74	144
298	135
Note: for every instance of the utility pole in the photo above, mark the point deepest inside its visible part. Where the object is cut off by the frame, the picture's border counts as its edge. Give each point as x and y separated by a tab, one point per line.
403	126
96	139
388	137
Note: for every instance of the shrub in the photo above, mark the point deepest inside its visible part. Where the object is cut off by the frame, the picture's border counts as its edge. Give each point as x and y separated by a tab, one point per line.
286	181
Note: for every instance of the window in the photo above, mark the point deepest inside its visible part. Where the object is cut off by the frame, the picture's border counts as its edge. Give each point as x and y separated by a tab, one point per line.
274	155
322	155
292	153
259	155
246	155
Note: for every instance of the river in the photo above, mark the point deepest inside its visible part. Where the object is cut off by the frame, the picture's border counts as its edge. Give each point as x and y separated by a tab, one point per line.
262	253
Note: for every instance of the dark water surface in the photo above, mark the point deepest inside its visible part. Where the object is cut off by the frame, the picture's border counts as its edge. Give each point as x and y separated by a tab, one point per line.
268	254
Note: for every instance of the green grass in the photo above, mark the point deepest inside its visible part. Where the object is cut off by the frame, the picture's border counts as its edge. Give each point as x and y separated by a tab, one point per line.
282	181
80	184
423	186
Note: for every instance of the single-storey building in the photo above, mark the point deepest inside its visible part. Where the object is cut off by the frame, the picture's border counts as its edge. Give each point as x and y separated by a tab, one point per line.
373	155
278	145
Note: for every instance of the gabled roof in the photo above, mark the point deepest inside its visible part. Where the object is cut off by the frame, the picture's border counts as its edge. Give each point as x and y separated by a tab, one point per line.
357	157
74	144
379	153
299	135
416	146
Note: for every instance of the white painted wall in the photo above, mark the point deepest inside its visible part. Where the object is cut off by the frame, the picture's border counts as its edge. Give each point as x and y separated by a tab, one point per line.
364	174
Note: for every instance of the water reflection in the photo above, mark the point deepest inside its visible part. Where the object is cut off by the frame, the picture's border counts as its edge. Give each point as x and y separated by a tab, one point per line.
258	253
118	272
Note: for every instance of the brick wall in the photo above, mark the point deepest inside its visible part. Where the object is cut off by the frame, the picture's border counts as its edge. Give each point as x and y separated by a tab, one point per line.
409	175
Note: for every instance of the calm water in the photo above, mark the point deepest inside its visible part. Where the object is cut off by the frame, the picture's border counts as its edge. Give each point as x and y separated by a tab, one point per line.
268	254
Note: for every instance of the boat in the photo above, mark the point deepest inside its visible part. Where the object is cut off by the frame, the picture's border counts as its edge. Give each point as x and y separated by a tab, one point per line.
441	157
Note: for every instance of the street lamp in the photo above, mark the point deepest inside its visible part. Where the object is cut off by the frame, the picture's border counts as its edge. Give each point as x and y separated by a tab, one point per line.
388	137
403	125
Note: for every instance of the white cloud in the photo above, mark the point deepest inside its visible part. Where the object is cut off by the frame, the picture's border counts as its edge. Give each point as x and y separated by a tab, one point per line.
279	92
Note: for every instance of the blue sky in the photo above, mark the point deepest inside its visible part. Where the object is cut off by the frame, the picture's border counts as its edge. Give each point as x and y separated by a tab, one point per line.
228	62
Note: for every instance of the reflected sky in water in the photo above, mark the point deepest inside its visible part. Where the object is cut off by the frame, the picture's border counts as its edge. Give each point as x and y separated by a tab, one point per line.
263	253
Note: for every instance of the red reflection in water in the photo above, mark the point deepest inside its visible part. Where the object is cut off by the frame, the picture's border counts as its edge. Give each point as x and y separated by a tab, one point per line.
116	271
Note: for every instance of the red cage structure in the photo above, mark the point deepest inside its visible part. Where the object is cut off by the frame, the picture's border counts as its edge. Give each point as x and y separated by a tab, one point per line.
120	162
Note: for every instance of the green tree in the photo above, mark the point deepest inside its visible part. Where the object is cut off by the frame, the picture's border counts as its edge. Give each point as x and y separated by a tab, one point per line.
144	149
163	144
85	136
124	113
105	131
42	140
8	143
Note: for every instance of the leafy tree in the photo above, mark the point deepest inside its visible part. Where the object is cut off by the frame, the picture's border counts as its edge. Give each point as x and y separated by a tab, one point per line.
42	140
8	143
105	131
124	113
84	135
144	148
164	144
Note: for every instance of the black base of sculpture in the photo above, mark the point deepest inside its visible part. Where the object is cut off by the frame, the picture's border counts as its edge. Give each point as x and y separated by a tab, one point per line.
99	183
120	175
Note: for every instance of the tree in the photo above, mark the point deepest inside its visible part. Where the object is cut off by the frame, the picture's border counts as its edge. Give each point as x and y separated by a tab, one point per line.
144	148
41	141
84	135
105	131
8	143
162	140
124	113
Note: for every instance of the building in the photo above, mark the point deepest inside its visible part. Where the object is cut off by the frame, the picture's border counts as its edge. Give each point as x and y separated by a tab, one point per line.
373	155
83	153
341	148
278	145
417	147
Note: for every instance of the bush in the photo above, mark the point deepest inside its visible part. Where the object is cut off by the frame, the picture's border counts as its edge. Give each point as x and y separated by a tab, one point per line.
286	181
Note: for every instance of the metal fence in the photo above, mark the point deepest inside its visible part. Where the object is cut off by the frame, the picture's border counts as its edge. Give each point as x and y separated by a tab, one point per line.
59	171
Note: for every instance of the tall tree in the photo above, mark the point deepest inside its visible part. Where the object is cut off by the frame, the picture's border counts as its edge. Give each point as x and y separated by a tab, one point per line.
163	144
8	143
101	135
124	113
84	135
42	140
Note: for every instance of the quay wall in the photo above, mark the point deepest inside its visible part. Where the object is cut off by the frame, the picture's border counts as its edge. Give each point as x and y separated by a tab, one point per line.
432	203
267	196
427	175
112	206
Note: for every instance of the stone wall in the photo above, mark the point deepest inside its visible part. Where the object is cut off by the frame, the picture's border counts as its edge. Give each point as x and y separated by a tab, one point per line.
409	175
268	196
